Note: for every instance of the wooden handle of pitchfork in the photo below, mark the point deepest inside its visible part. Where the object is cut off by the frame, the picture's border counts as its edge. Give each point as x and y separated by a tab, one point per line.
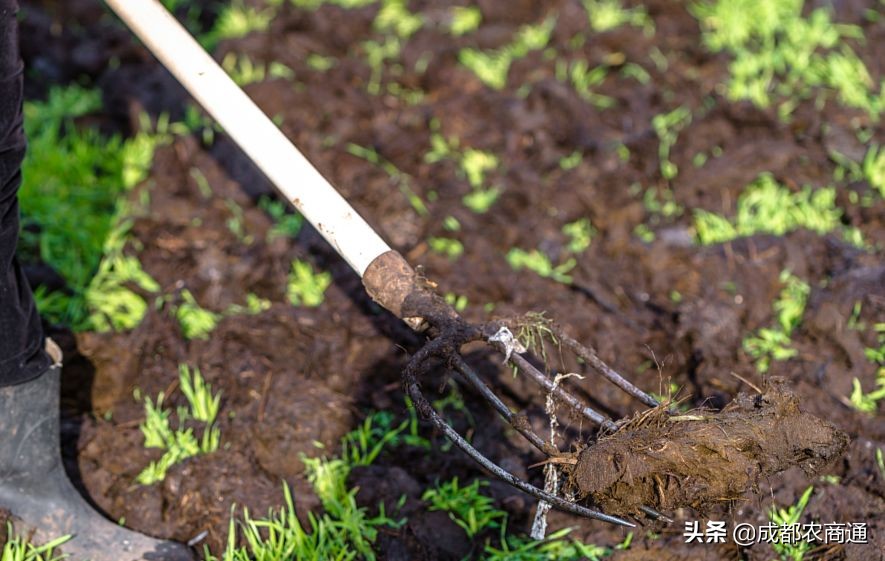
388	278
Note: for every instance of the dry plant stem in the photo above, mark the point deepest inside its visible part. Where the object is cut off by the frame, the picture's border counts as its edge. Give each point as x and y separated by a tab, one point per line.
545	382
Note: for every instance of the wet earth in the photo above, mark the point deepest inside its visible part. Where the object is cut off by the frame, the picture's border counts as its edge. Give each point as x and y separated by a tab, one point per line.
661	312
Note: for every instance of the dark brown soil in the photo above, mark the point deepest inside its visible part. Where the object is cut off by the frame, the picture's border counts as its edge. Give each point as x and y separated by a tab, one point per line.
292	377
700	459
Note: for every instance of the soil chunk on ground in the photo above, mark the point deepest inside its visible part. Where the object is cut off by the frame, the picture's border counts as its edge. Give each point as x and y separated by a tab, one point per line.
702	458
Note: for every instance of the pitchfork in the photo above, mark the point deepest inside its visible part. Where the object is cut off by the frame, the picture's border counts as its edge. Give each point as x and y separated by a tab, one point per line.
386	275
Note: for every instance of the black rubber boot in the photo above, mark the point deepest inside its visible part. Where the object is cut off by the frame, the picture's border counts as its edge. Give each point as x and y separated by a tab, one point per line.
38	493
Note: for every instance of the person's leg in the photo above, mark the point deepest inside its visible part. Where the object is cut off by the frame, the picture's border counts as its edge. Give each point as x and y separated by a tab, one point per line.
34	488
21	337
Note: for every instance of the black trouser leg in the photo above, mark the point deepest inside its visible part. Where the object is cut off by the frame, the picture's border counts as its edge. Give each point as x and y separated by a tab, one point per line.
21	336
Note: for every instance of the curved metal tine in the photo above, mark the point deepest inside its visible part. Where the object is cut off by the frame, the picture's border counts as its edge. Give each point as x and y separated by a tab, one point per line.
557	502
590	356
655	515
544	381
470	375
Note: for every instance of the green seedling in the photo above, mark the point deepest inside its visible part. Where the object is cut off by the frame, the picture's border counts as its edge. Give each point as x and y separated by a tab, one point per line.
465	19
536	261
362	446
254	306
492	67
19	548
874	168
580	233
204	405
320	63
661	202
571	161
243	71
466	505
236	20
181	443
583	78
780	54
765	206
868	402
451	248
556	547
668	126
402	179
316	4
473	164
78	231
880	462
458	301
236	224
606	15
377	52
305	287
196	322
287	223
787	517
395	17
774	343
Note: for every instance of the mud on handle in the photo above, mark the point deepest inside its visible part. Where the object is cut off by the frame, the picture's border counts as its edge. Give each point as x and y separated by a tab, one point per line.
387	276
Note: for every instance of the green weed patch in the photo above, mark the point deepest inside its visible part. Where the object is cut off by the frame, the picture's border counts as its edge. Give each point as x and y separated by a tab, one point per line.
781	56
74	217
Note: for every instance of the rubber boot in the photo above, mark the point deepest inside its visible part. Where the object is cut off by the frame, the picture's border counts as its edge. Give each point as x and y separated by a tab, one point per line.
35	489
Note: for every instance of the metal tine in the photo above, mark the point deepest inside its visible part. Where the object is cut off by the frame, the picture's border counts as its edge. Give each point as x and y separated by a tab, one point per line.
470	375
655	515
589	355
450	433
544	381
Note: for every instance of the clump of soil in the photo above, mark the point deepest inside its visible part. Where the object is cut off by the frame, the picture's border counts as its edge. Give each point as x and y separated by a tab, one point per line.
701	458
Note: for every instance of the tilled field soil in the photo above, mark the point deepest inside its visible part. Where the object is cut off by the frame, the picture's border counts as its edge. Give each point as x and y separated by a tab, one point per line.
660	311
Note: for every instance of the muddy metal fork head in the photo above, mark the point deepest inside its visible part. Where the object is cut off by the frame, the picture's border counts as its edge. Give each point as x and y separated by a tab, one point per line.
394	284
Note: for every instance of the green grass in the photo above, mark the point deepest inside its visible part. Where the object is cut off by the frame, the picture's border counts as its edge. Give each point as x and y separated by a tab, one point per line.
195	321
19	548
287	223
584	79
74	214
465	19
400	178
789	516
605	15
344	531
236	20
539	263
474	165
781	56
668	126
451	248
493	66
306	287
466	505
580	234
766	207
868	402
773	343
180	443
243	71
